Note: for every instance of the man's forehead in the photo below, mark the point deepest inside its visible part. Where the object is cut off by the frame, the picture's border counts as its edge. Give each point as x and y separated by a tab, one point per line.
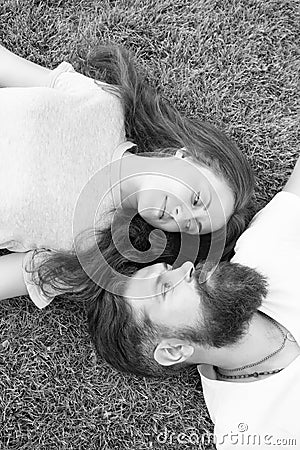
150	271
141	285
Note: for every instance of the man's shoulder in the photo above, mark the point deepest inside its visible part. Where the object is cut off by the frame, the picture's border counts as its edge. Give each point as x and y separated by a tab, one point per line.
282	203
229	402
273	223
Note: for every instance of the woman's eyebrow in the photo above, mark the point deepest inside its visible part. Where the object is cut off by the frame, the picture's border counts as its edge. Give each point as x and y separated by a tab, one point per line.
209	202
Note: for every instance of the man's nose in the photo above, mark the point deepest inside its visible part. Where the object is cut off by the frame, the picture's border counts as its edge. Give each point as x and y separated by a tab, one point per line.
182	273
187	270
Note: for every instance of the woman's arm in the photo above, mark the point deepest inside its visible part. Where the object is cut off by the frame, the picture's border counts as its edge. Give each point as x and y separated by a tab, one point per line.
11	276
18	72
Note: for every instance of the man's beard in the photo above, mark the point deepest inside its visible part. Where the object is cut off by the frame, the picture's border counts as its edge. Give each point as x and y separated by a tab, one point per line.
230	296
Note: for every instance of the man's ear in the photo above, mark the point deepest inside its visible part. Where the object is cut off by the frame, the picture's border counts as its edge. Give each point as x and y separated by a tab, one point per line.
172	351
180	153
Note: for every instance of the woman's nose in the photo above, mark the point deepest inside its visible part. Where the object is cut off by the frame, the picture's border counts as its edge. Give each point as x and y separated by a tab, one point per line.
176	212
181	215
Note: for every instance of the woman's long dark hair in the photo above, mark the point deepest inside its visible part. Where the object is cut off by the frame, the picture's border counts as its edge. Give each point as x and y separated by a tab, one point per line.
68	272
154	125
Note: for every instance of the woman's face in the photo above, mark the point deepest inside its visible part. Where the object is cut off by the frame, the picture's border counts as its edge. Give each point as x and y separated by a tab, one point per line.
181	195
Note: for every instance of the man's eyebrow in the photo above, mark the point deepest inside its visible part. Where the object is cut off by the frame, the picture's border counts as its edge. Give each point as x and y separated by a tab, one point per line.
157	282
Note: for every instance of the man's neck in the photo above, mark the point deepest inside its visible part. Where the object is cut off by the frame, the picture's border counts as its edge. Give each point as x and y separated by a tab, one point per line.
262	338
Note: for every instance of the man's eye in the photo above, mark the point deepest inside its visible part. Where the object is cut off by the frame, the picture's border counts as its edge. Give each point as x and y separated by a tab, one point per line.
188	225
165	288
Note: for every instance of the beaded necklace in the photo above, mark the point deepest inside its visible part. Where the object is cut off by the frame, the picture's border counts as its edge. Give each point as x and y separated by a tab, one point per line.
285	337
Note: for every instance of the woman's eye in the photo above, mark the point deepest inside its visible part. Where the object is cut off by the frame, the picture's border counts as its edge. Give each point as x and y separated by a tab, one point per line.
196	199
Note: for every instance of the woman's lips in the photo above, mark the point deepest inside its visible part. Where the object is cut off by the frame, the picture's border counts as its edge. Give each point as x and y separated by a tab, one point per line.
163	208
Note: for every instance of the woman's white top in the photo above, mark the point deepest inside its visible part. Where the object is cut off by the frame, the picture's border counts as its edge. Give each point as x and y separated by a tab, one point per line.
55	142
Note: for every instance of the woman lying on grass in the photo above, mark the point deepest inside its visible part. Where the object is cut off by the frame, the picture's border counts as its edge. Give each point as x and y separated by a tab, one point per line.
70	155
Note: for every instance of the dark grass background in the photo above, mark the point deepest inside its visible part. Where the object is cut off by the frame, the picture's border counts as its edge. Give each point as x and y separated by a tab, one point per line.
234	63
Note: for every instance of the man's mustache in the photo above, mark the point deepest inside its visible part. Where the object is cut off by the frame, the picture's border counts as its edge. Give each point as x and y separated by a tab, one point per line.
203	273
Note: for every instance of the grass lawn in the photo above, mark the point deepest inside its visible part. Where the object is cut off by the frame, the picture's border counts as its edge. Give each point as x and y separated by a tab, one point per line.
231	62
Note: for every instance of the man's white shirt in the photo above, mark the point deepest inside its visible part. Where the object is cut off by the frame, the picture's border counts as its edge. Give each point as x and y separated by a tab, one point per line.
265	413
